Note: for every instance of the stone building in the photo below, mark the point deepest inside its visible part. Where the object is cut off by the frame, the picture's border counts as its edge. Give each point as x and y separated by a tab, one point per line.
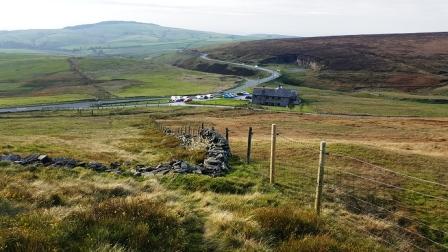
275	97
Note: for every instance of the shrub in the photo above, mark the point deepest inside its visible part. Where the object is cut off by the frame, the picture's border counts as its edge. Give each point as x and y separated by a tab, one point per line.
4	164
284	223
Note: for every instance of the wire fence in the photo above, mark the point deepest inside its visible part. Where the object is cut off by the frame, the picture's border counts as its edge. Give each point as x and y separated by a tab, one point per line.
396	208
391	205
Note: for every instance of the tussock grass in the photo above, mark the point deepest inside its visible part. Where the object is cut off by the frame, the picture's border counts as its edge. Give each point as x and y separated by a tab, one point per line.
58	208
282	223
311	244
227	231
89	211
204	184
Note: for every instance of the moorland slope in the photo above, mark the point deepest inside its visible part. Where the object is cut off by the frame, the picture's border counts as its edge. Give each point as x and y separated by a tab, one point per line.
407	62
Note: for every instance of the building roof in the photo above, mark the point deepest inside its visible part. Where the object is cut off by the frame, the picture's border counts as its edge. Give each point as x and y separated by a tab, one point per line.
275	92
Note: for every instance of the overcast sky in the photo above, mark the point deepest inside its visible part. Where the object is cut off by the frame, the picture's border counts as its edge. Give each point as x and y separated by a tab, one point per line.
289	17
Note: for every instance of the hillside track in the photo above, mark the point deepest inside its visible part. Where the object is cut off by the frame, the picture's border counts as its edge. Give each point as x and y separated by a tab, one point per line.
100	92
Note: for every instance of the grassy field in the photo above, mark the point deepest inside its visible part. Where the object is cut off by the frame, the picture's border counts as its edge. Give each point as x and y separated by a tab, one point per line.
366	103
35	100
240	211
27	79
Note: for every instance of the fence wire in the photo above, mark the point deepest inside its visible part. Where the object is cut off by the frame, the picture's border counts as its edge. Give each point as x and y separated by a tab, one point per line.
409	205
402	211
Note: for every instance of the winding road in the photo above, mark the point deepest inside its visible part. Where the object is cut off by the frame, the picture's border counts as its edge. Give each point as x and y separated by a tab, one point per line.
249	82
126	102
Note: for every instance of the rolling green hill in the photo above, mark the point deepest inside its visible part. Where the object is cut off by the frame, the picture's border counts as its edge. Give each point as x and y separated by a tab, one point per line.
114	38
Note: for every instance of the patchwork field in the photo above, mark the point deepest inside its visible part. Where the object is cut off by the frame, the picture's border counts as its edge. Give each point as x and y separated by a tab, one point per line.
35	79
240	211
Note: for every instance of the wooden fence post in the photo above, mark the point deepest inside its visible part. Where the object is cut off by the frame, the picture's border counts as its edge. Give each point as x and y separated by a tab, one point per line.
227	134
202	126
249	145
320	177
273	146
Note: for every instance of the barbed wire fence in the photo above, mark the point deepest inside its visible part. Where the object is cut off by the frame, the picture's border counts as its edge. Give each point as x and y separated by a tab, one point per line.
402	211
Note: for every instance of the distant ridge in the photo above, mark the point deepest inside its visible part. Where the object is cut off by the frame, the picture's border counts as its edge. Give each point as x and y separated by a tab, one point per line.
86	26
116	37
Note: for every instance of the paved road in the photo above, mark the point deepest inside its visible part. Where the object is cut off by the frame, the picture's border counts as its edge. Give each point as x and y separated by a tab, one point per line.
114	103
74	105
249	82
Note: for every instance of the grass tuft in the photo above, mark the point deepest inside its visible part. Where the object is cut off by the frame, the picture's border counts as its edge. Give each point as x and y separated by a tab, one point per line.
283	223
200	183
319	243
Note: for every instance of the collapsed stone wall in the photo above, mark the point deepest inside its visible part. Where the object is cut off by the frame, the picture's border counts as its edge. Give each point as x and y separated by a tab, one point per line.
216	162
218	154
59	162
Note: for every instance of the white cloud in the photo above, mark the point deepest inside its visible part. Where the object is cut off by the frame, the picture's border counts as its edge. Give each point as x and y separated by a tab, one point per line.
295	17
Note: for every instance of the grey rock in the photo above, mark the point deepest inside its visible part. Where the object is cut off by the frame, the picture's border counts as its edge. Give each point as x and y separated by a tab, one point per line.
65	162
115	165
44	159
97	166
10	158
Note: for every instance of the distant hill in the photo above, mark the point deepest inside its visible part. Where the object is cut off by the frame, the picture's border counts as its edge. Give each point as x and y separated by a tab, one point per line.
114	37
408	62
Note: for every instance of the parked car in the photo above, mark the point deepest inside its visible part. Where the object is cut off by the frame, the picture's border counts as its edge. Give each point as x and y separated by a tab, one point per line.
248	97
229	95
175	98
240	94
189	99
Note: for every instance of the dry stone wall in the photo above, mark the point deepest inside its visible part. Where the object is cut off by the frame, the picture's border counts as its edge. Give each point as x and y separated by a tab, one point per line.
216	162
